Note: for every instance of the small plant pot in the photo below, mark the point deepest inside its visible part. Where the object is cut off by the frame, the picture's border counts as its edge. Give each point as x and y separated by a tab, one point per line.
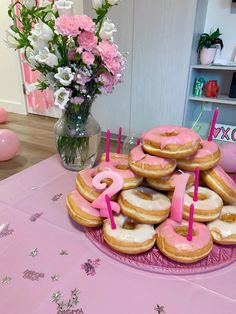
207	55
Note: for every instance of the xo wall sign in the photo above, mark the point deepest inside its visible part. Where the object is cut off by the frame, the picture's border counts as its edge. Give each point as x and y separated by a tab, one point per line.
223	132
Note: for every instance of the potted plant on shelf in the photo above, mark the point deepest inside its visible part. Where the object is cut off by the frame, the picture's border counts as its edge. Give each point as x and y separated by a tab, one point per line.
207	46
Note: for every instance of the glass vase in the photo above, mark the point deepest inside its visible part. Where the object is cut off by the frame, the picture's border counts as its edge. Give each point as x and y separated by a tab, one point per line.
77	136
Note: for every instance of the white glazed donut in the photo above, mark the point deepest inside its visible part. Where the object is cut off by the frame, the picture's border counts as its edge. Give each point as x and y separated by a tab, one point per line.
208	206
223	230
133	239
144	205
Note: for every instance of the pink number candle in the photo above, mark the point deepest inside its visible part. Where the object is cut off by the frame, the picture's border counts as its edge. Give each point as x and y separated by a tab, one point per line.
177	204
115	187
108	136
119	141
111	218
190	223
196	183
213	123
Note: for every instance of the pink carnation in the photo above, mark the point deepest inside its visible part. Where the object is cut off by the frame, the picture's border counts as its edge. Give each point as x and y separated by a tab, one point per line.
107	50
88	57
87	41
67	25
85	23
114	65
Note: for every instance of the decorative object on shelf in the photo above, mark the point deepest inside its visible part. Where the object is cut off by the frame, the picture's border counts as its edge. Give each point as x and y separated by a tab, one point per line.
232	92
198	86
78	60
9	144
228	157
207	46
226	133
211	88
130	142
3	115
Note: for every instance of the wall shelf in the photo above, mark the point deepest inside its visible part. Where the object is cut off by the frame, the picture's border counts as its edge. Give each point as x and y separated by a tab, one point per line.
214	67
221	99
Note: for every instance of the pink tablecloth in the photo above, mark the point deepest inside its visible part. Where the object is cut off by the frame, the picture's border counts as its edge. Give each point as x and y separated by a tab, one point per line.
52	256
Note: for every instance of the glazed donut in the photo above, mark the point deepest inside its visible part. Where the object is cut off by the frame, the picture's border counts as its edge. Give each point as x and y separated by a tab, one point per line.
81	210
165	183
220	182
128	237
131	180
171	142
115	156
149	166
205	158
208	206
144	205
85	186
223	230
172	241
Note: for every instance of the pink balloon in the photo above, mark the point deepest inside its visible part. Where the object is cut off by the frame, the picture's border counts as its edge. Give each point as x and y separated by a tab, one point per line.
9	144
3	115
228	157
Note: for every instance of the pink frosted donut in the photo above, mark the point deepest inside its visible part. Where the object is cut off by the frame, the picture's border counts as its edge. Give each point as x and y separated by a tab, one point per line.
81	210
205	158
131	180
172	241
220	182
171	142
149	166
85	186
165	183
115	156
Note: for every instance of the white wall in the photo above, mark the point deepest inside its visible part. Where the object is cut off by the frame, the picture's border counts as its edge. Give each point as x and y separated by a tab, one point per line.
219	15
11	92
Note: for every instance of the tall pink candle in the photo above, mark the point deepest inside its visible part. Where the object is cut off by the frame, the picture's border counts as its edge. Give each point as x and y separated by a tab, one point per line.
109	209
138	141
213	123
190	223
177	204
108	136
196	183
119	141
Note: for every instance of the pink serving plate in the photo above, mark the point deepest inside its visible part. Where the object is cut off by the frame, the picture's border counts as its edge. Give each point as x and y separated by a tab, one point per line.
155	261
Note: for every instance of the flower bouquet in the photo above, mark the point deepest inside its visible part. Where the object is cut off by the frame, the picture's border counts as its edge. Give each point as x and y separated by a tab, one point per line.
77	58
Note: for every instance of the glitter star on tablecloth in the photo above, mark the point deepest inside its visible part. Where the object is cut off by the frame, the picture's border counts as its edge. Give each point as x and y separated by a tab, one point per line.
55	277
64	252
34	252
160	309
6	280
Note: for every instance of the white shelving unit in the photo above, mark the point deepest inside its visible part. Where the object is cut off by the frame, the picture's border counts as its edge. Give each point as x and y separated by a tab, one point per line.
226	104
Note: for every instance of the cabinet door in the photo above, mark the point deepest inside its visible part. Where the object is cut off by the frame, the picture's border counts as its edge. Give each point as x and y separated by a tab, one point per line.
163	31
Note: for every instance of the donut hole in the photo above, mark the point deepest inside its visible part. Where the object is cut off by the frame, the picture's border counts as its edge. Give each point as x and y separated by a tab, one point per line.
183	231
169	134
143	195
201	196
122	167
107	181
129	225
228	217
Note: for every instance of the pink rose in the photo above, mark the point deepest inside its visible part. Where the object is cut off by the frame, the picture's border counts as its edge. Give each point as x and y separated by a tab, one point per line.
67	25
88	57
87	41
107	50
85	23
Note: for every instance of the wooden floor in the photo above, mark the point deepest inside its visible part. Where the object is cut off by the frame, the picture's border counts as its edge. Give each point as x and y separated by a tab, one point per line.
37	142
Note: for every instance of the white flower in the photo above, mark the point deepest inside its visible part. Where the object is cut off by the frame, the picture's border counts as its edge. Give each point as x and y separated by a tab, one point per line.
11	39
30	55
97	4
61	97
113	2
29	88
44	3
64	7
46	57
29	4
43	31
107	30
64	76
